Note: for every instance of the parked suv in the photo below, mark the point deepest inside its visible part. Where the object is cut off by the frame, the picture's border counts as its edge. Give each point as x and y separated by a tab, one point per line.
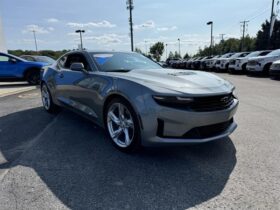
240	63
275	69
226	62
220	63
13	68
261	64
210	63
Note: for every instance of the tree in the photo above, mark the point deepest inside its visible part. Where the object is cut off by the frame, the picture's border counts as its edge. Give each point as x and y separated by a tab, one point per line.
171	55
157	50
263	41
177	55
186	56
50	53
138	50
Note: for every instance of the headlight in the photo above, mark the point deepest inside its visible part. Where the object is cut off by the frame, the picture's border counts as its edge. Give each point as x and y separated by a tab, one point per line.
275	66
234	94
238	61
173	100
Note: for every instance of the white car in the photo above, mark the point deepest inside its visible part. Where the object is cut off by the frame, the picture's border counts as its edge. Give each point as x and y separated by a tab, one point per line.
210	63
220	62
225	61
275	69
240	63
261	64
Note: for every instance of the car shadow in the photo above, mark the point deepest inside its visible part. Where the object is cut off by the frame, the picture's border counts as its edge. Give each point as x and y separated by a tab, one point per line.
83	170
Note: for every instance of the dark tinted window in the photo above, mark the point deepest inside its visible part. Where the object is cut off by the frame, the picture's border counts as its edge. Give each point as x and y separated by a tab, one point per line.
75	58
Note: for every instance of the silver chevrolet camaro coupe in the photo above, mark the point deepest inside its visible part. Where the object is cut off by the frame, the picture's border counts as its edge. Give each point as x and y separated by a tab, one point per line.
137	101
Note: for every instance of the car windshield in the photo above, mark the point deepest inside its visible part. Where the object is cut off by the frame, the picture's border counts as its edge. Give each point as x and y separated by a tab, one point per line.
122	61
253	54
44	59
227	55
236	55
274	53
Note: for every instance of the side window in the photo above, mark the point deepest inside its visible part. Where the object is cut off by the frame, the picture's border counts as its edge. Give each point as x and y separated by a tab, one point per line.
62	61
4	58
76	58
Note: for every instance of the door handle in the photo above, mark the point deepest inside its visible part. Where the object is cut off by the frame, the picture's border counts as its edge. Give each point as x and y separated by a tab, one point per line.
60	75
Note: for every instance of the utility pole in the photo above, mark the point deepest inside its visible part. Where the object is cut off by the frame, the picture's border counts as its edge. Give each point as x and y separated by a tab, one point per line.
222	37
243	25
271	18
35	40
130	7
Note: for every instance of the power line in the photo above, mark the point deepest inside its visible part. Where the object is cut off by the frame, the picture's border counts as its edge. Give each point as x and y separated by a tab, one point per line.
130	7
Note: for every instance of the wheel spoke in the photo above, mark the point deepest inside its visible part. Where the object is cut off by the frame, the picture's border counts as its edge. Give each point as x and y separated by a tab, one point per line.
127	139
113	117
117	133
121	110
129	123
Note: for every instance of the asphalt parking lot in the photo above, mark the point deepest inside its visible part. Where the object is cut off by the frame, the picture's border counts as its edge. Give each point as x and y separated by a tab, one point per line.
64	161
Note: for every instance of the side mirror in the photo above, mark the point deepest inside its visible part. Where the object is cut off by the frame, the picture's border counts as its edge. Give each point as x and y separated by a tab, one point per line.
12	60
77	67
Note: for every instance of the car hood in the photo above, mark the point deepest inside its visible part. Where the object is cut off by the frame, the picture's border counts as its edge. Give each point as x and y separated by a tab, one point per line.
263	57
183	81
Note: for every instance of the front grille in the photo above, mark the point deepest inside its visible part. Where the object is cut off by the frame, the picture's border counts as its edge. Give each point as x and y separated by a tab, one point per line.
208	131
212	103
218	62
252	63
232	62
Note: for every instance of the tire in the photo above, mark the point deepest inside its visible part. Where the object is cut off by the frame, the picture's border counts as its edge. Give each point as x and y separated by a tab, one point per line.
33	77
266	69
47	101
244	67
123	129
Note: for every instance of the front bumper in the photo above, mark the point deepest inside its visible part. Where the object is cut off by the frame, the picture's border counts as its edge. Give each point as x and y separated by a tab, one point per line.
254	68
178	122
274	72
235	67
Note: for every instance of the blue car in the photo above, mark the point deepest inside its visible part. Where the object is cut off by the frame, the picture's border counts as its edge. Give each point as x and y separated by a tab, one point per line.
13	68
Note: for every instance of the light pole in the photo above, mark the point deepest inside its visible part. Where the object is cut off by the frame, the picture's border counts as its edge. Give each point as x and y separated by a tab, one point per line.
146	47
211	43
130	7
81	38
179	47
35	40
166	50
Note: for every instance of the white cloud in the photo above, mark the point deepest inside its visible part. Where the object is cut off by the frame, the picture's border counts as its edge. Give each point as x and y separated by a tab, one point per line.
102	24
50	28
107	38
52	20
172	28
38	29
147	24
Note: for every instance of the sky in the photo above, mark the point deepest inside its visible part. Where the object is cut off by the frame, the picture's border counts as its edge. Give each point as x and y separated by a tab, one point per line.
106	23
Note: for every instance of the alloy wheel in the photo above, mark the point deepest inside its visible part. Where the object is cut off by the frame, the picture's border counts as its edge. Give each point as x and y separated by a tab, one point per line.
120	124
